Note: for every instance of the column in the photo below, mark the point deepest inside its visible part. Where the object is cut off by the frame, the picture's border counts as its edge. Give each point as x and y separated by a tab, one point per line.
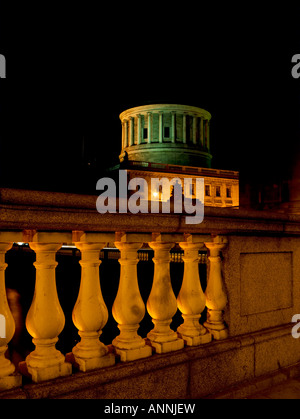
173	127
160	127
201	132
8	379
126	134
129	309
191	299
149	127
90	313
131	131
45	319
123	136
139	129
208	135
162	304
205	131
216	299
184	129
194	130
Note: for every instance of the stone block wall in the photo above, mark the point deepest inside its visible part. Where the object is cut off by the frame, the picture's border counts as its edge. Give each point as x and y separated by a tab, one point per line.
262	281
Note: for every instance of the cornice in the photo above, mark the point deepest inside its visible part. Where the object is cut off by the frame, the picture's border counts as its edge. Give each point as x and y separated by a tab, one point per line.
165	108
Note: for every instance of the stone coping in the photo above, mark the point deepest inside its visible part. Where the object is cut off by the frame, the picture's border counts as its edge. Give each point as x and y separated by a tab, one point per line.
40	210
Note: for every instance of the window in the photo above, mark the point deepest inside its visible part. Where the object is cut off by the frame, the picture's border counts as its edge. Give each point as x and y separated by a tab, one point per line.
218	191
207	190
145	133
192	189
228	192
167	132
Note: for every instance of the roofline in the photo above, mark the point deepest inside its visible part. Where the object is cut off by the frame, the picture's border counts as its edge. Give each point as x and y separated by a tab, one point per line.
167	108
172	168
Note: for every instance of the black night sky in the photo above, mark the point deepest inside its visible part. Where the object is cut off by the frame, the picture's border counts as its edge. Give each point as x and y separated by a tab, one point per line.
70	79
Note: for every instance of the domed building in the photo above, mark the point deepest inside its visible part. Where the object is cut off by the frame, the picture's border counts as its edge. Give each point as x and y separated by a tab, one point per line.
173	141
170	134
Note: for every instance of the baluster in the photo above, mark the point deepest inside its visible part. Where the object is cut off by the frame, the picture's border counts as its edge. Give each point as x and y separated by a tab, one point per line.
7	329
216	298
191	299
90	313
45	319
129	308
162	304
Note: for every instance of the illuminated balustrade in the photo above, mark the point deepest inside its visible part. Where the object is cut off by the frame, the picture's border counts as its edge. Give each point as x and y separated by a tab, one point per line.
249	294
216	298
162	305
191	299
90	313
45	319
8	378
129	308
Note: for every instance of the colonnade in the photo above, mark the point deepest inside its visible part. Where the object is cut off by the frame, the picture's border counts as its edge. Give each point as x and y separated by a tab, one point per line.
194	129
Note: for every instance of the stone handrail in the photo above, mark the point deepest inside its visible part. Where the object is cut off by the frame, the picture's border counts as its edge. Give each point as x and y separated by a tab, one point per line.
22	209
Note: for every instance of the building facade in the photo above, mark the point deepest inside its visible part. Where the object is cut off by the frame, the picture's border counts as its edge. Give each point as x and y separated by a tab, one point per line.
173	141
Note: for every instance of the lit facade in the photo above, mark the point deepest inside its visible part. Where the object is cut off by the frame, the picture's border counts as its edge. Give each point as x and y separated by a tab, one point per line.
173	141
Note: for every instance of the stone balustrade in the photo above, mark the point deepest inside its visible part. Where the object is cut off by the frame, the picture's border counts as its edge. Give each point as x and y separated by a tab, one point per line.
252	286
45	319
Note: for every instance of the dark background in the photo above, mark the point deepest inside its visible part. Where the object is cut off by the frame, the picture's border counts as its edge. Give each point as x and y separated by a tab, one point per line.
69	78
